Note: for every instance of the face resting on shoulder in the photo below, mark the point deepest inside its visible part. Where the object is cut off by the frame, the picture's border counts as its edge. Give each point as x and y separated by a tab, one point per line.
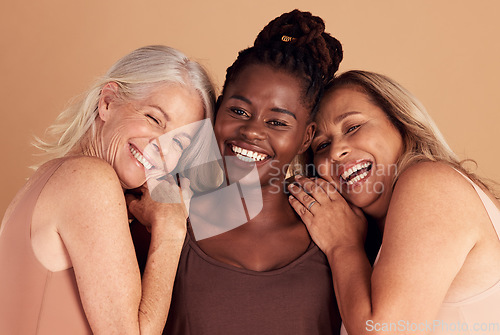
262	118
357	147
127	127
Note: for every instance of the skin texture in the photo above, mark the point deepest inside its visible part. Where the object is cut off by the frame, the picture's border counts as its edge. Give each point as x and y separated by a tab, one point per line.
350	130
423	216
81	221
137	123
263	111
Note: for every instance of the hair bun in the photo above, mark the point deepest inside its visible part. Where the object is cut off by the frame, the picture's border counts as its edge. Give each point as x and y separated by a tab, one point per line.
302	30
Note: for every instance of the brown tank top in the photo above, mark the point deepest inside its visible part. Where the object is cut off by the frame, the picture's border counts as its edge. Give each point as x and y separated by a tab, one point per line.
34	300
211	297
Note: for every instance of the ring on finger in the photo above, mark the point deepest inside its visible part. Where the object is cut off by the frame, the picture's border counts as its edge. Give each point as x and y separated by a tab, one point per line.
311	204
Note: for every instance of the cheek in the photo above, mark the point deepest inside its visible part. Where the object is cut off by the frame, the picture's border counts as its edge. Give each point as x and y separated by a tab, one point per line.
324	168
171	161
221	127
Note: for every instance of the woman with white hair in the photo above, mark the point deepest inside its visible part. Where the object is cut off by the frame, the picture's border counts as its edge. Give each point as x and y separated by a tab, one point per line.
66	254
383	160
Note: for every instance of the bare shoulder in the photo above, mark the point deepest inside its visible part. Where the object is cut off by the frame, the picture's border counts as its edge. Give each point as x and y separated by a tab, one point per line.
433	178
86	173
88	168
438	192
83	181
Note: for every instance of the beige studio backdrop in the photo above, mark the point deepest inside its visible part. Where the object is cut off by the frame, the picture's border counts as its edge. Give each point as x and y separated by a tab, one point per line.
446	52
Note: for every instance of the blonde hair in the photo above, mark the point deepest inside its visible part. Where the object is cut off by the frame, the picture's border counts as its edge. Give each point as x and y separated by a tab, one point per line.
422	139
136	74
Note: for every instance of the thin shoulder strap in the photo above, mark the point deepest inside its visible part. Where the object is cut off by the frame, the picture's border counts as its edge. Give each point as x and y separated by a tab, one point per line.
489	205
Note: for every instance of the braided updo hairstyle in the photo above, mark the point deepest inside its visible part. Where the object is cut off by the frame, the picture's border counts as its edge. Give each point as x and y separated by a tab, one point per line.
297	43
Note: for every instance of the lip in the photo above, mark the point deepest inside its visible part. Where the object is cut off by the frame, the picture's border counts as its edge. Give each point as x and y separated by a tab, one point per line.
229	152
146	157
340	169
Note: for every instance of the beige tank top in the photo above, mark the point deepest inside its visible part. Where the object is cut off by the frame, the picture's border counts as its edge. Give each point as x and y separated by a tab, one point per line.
34	300
479	314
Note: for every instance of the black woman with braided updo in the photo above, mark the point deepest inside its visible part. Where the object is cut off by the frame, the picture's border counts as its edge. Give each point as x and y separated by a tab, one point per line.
264	276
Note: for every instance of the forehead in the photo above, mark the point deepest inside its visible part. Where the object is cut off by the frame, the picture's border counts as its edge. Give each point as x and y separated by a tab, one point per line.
265	85
258	79
343	100
181	104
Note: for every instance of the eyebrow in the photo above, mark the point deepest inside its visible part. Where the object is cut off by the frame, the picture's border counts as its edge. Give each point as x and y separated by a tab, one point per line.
343	116
242	98
284	111
278	110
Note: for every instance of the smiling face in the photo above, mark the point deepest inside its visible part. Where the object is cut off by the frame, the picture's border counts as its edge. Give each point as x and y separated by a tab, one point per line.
262	120
128	127
357	147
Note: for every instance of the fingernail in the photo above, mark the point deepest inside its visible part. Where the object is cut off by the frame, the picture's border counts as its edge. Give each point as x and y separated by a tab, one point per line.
298	176
290	197
293	187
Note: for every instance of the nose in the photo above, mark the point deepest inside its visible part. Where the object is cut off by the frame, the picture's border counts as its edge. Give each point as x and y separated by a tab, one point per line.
253	131
339	150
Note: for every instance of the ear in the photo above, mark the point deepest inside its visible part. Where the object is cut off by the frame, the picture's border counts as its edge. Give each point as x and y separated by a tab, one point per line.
109	93
308	136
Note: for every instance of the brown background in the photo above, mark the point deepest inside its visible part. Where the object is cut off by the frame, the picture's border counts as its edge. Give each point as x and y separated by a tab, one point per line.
446	52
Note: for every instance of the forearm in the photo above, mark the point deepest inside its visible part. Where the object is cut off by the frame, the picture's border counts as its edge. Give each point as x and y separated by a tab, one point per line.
351	273
158	278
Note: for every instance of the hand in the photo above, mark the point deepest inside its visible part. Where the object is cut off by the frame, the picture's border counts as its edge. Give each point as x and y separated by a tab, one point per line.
151	213
330	220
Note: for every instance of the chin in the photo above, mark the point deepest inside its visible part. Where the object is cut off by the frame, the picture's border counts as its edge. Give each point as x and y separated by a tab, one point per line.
131	183
361	200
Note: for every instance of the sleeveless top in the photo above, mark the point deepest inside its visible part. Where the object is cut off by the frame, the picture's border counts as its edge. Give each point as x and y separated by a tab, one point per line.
211	297
34	300
479	314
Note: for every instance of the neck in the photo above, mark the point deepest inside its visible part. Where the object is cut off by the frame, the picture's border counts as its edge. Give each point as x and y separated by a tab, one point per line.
276	211
89	145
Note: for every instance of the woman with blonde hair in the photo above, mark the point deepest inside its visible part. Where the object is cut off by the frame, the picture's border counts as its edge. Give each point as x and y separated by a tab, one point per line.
381	159
66	254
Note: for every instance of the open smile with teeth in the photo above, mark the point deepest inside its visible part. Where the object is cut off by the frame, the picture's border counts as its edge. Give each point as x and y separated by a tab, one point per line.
356	173
140	158
248	155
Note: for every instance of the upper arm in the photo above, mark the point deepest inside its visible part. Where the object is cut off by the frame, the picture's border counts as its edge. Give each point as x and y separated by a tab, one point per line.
92	222
428	234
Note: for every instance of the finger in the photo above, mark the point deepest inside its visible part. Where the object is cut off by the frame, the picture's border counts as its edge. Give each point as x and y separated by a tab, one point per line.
356	210
186	192
305	215
185	183
170	179
132	206
313	188
300	194
329	188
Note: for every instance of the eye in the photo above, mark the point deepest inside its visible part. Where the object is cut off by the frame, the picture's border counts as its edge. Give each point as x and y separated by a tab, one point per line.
155	146
154	119
238	111
351	129
322	146
178	143
277	123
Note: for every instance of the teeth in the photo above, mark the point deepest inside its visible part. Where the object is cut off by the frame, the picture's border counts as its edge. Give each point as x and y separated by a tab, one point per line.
248	155
354	169
140	158
357	178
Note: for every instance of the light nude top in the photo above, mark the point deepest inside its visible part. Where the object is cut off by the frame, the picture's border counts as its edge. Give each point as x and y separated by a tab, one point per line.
479	314
34	300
